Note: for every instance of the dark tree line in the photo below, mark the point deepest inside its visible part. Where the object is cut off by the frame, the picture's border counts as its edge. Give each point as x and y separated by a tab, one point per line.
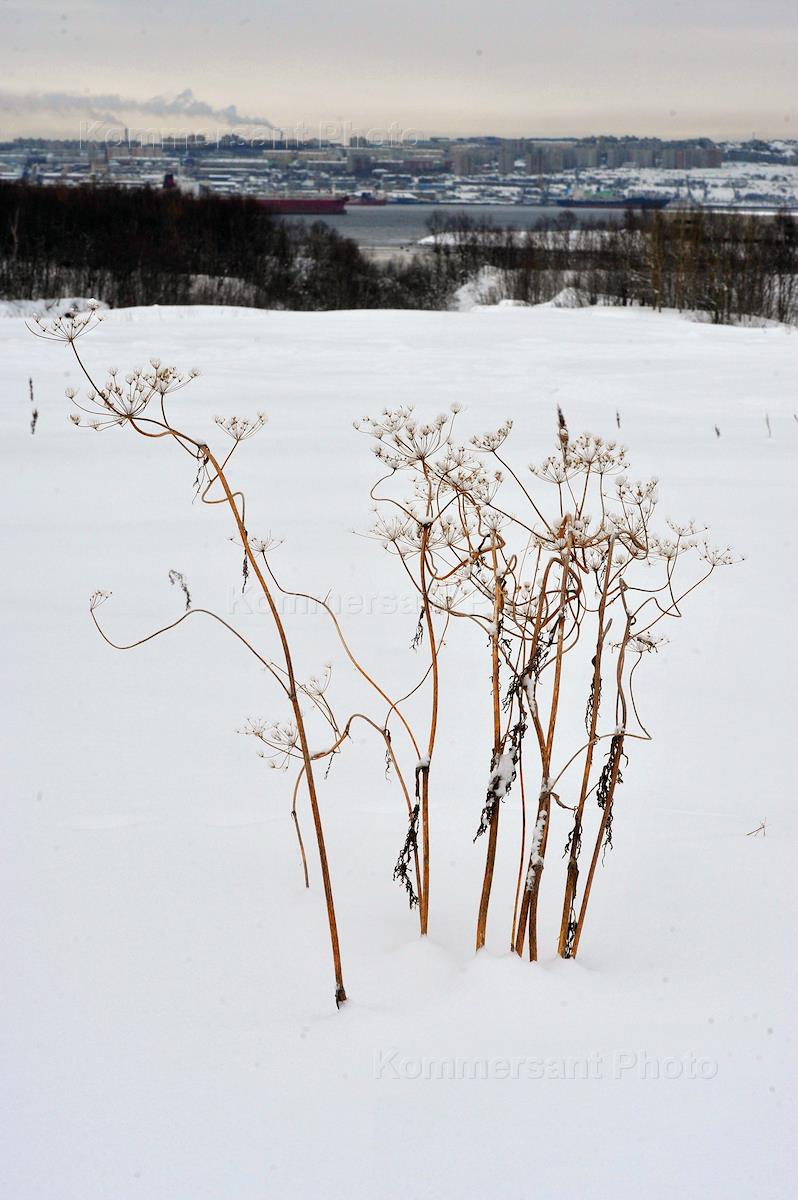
147	246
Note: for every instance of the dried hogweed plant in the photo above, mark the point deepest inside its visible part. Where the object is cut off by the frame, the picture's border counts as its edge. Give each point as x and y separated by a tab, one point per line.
568	583
140	401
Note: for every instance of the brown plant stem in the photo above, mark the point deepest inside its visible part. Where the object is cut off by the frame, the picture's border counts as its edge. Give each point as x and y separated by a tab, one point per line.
572	871
520	878
493	831
425	839
605	817
621	710
544	803
527	921
295	819
293	697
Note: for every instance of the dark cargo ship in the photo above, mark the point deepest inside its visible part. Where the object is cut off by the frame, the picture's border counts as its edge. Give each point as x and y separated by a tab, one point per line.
612	201
367	200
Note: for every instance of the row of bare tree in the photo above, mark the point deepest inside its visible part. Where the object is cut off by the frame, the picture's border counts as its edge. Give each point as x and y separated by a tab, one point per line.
733	267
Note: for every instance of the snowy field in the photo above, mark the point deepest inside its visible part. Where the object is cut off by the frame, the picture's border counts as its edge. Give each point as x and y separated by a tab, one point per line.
168	1025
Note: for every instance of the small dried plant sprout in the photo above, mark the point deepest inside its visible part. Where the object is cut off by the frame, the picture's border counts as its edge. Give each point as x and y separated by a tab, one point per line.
139	400
34	412
567	583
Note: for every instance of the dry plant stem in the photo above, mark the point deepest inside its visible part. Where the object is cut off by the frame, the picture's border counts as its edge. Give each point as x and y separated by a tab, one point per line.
523	916
295	819
520	878
416	863
607	812
605	816
544	804
527	924
293	697
424	895
493	831
572	874
527	920
424	770
555	696
544	815
193	612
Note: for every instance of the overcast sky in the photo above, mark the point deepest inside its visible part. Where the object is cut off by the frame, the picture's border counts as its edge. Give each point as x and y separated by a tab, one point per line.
512	67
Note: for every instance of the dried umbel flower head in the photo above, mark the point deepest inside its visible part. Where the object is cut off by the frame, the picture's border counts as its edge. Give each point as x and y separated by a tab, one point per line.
718	556
493	438
264	545
552	470
586	454
280	739
401	441
241	428
96	599
396	532
122	399
69	326
317	685
390	421
588	451
646	643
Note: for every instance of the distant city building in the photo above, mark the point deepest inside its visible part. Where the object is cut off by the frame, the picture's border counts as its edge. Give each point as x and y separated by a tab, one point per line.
480	170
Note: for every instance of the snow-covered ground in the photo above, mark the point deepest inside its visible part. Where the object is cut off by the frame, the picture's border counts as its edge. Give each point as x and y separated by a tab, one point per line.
168	1023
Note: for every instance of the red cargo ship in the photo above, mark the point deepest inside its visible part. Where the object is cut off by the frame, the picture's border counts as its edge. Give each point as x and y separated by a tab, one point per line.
305	206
